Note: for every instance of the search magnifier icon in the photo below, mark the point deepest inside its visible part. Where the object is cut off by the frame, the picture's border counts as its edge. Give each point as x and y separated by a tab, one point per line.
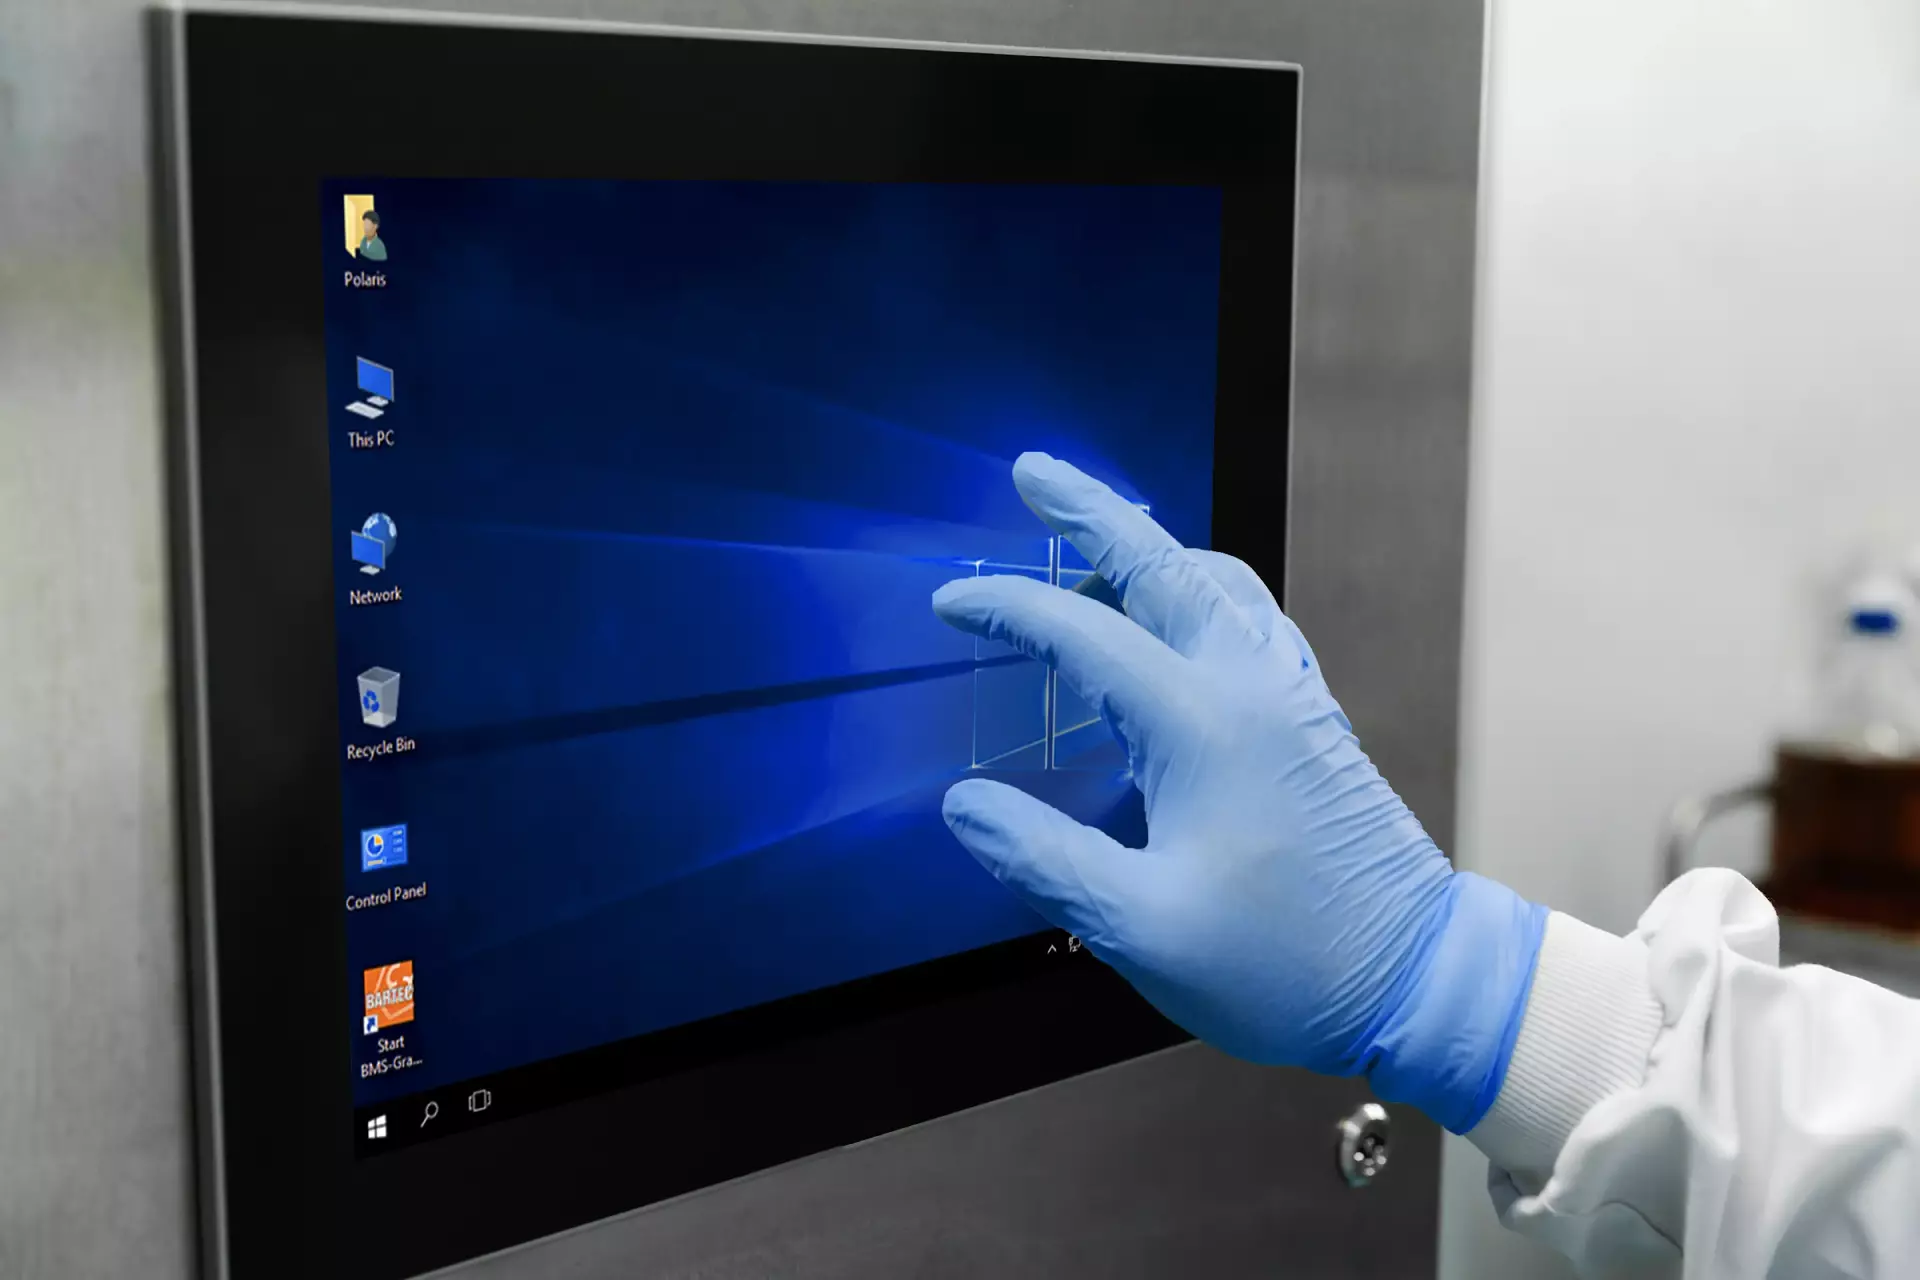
433	1109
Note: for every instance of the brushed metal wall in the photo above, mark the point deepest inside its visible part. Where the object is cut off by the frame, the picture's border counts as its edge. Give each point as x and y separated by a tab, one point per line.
1182	1164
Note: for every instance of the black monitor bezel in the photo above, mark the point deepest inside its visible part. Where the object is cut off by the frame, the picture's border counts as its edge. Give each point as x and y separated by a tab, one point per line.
249	127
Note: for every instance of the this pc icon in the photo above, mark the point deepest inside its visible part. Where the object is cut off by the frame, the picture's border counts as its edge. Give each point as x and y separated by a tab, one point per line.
376	380
379	696
373	542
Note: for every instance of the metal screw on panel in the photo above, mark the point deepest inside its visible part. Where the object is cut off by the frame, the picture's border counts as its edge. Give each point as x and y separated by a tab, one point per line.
1363	1144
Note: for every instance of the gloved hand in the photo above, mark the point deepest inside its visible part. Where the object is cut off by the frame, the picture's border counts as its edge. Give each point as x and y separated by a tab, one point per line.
1288	907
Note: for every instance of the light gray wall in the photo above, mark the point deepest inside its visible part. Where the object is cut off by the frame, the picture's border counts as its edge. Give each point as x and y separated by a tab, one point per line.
1182	1164
1699	385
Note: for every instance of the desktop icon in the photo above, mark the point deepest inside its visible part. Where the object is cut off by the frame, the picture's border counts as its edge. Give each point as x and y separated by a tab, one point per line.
363	230
389	997
373	542
376	381
379	697
382	847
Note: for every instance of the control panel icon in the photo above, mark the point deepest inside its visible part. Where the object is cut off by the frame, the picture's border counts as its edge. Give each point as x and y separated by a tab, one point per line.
382	847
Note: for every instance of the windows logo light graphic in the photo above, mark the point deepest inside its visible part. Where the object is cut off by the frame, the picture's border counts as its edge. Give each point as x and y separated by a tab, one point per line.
1024	718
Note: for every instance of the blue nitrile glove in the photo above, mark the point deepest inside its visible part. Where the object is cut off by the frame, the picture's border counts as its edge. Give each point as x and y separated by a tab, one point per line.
1288	907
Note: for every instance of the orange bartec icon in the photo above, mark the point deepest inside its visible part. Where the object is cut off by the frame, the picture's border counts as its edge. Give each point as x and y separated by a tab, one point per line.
389	996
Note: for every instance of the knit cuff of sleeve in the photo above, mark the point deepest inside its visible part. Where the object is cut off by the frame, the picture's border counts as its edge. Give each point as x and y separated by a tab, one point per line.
1589	1027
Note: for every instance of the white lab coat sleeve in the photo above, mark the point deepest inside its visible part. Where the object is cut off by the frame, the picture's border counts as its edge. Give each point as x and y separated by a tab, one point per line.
1678	1105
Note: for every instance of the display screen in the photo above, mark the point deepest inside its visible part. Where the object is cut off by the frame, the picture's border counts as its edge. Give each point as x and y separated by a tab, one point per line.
639	491
568	440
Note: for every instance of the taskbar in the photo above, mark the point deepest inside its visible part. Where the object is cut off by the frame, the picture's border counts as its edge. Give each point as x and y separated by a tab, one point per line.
428	1115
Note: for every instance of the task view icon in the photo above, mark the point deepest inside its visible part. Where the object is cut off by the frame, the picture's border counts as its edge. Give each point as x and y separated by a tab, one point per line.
376	382
373	542
379	696
383	847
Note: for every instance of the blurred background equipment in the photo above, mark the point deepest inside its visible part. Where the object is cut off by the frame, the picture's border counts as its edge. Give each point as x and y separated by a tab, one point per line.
1845	787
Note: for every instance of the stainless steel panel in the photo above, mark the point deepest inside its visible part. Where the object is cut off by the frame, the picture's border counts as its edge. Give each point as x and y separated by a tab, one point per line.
1186	1164
1182	1164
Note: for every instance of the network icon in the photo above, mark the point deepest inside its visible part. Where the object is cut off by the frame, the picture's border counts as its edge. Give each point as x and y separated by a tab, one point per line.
374	542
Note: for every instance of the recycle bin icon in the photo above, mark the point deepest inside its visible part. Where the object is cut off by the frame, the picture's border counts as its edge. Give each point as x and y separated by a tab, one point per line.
379	696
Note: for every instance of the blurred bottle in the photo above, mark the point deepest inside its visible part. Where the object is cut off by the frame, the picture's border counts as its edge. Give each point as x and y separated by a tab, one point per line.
1845	789
1870	688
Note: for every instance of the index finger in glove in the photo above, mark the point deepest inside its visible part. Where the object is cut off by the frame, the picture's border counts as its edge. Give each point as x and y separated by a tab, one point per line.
1160	584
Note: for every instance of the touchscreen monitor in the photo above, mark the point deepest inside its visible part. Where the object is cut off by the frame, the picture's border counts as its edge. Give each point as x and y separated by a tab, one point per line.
572	434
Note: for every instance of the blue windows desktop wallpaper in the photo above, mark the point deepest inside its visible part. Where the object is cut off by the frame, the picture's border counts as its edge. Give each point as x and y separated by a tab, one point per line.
679	465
